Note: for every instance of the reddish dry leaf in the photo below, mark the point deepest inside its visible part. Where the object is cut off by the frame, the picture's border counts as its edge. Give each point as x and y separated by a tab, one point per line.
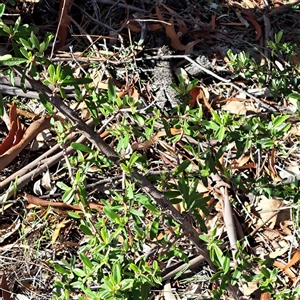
40	202
142	146
171	33
213	21
171	11
272	164
64	21
265	296
182	27
33	130
255	25
134	27
294	259
198	94
286	270
24	113
4	288
15	133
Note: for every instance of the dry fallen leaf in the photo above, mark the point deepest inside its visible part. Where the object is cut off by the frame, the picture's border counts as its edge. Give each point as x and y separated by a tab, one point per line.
265	209
235	107
294	259
15	133
32	131
4	288
171	33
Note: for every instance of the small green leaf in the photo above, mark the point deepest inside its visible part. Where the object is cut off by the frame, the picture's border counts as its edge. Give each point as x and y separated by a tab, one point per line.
14	61
1	106
110	213
24	52
51	70
68	196
111	91
182	167
85	230
46	103
210	124
294	96
279	120
81	147
34	41
61	270
5	57
86	261
74	215
217	117
134	268
62	186
140	119
76	81
116	272
221	133
2	9
136	212
79	272
154	229
25	44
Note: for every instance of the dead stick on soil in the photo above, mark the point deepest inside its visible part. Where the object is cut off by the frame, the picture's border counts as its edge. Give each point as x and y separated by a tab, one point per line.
147	187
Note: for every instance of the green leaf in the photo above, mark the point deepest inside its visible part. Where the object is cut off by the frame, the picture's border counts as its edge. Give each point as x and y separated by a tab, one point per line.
34	41
221	133
116	272
154	229
111	91
140	119
182	271
24	52
68	196
51	70
294	96
136	212
210	124
110	213
266	143
86	261
83	194
76	81
279	120
172	194
265	272
134	268
85	230
217	117
61	270
81	147
182	167
46	103
1	106
62	186
5	57
74	215
93	111
2	9
25	44
14	61
127	284
226	264
17	25
79	272
104	235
